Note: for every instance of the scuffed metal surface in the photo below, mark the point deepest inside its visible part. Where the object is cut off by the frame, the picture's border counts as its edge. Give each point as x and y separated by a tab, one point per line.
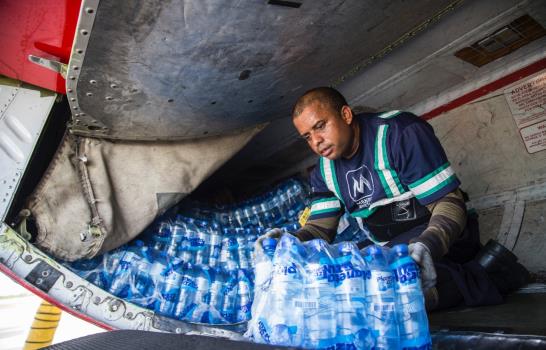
183	69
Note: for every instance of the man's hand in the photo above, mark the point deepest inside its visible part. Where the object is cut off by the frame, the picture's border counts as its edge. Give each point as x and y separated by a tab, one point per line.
421	254
276	233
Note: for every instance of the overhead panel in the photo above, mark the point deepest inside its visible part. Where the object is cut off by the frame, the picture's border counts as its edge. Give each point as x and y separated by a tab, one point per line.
184	69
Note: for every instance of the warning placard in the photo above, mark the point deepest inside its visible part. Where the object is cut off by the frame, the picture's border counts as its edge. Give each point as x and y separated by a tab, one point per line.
528	100
534	137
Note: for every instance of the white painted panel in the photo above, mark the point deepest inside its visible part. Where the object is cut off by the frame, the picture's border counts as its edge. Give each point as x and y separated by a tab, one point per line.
23	112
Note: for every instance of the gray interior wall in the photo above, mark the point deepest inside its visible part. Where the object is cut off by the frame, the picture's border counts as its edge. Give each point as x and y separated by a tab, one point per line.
483	144
488	154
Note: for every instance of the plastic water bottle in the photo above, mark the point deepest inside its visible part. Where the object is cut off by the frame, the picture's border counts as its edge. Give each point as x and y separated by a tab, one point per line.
159	265
201	244
123	279
251	238
380	301
284	324
264	263
352	327
91	270
230	296
177	235
412	316
188	288
242	255
215	244
143	283
110	264
186	252
202	295
320	311
169	290
216	302
244	297
160	237
275	209
228	255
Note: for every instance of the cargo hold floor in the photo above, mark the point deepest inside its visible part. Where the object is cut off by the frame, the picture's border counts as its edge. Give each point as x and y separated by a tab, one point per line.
522	313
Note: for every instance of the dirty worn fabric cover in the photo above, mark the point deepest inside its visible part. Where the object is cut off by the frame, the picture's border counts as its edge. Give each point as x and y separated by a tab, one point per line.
99	194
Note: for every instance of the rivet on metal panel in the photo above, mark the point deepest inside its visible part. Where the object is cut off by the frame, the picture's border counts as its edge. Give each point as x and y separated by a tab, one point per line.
178	330
72	77
69	90
96	300
28	258
84	32
93	82
72	99
114	305
76	115
109	98
113	86
129	315
79	51
89	94
76	68
75	107
89	10
69	284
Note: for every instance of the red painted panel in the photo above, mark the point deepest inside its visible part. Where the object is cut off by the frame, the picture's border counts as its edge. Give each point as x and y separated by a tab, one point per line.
484	90
44	28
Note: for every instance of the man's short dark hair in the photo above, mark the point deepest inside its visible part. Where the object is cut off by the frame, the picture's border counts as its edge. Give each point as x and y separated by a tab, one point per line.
330	97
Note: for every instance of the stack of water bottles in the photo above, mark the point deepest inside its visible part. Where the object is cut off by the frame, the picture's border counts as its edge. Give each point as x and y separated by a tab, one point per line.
196	262
314	295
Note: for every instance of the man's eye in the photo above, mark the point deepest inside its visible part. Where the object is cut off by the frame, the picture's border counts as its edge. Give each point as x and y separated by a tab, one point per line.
320	126
306	137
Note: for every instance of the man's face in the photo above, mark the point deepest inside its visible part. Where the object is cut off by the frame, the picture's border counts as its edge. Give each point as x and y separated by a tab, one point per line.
327	132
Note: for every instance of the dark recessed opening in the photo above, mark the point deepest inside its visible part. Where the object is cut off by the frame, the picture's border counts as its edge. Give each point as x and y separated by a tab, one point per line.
245	74
170	100
284	3
213	103
94	128
503	41
250	101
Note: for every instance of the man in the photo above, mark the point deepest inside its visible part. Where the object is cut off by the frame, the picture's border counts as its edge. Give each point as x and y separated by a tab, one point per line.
389	171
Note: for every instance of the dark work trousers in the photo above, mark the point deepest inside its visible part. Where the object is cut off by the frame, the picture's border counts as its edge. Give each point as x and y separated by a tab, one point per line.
459	277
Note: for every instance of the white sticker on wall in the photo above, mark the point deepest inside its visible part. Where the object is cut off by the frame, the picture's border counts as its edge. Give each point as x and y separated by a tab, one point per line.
534	137
527	100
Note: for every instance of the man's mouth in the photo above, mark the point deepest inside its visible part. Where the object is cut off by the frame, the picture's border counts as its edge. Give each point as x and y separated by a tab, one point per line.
325	152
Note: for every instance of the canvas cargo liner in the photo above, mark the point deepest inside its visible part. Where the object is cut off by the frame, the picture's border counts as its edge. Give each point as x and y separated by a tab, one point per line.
99	194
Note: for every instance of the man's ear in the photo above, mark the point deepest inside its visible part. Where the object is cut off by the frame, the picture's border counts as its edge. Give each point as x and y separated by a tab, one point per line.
347	114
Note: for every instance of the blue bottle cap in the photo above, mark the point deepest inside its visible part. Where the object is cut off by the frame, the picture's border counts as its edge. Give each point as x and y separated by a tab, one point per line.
374	250
317	244
346	247
269	243
400	249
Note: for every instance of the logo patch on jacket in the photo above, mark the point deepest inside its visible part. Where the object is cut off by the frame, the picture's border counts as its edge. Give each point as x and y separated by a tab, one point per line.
360	185
403	210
